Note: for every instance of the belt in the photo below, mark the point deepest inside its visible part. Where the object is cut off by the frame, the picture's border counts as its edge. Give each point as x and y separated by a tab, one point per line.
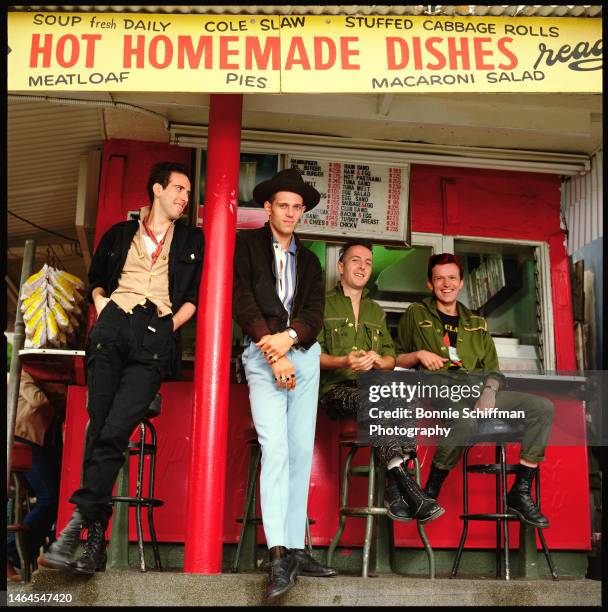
147	306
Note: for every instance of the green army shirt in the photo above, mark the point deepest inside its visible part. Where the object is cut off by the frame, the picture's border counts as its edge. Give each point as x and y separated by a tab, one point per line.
421	328
339	335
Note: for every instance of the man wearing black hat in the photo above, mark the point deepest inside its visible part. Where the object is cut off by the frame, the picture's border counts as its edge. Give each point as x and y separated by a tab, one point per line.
278	301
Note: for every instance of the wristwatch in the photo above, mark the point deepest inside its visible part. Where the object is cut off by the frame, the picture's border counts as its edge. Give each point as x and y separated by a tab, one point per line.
487	386
292	334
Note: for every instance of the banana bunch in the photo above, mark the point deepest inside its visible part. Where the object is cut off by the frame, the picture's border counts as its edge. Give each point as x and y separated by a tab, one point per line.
52	306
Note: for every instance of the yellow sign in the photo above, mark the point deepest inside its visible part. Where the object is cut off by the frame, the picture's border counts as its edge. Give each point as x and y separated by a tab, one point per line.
134	52
309	54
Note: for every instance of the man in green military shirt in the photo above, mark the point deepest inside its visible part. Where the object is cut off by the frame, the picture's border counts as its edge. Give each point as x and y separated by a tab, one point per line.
355	338
442	335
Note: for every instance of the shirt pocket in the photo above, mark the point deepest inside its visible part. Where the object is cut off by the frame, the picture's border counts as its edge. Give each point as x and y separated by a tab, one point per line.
374	336
336	335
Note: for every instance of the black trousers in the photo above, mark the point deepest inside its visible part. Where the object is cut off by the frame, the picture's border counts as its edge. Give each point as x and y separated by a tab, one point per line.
127	357
343	401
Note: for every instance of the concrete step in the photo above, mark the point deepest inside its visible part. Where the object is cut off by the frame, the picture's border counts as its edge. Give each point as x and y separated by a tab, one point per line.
134	588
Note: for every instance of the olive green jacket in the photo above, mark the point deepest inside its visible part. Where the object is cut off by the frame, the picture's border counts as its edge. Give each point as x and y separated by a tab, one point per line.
339	336
421	328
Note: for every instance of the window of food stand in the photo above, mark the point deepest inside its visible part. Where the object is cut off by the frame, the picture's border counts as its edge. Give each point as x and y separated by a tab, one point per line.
506	281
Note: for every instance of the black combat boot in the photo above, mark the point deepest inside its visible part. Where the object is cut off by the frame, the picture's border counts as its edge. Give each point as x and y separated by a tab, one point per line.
519	499
94	557
423	507
397	507
283	572
435	480
61	551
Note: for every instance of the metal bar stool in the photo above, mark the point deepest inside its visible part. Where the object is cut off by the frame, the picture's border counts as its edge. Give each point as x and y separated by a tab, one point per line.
21	462
141	448
375	488
500	433
248	536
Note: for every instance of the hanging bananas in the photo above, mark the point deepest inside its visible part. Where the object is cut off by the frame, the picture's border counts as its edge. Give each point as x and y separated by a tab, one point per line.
51	303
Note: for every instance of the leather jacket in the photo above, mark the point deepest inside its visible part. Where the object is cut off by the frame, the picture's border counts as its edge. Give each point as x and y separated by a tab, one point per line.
256	307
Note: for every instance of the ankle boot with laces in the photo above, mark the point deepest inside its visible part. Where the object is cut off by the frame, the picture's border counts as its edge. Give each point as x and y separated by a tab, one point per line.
519	498
94	557
62	551
423	507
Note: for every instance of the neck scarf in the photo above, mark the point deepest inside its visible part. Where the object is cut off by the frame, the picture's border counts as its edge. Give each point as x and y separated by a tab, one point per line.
159	243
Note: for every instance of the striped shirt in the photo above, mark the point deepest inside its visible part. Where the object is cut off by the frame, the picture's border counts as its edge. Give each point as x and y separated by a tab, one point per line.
285	272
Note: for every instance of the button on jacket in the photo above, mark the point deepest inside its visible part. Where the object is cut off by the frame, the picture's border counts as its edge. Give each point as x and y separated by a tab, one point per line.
256	307
339	335
185	267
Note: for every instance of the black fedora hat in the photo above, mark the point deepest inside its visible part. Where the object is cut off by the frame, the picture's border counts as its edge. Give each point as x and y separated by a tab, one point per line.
287	180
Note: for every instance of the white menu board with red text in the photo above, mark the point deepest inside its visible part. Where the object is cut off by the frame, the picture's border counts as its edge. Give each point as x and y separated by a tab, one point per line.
358	200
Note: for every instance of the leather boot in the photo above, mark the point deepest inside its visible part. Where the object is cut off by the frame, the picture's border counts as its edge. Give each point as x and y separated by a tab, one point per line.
519	499
309	566
435	480
94	557
397	507
423	507
61	552
283	572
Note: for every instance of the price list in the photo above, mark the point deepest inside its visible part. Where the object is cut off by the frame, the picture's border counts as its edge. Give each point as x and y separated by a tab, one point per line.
357	200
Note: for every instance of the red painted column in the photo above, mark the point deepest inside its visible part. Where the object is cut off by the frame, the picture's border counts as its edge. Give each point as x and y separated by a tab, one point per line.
207	474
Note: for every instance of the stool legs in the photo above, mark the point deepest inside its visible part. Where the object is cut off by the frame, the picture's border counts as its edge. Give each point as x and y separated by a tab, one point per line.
151	496
255	455
369	521
541	535
465	520
140	476
427	547
500	452
343	503
501	516
19	501
308	543
138	501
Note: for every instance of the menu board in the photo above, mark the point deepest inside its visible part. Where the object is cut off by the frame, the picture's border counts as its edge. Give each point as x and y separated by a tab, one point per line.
357	199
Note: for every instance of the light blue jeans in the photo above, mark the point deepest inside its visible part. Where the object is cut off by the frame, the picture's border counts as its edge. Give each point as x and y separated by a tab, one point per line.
285	424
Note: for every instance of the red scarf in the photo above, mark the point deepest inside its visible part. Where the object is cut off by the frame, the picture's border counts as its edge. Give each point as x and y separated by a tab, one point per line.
159	243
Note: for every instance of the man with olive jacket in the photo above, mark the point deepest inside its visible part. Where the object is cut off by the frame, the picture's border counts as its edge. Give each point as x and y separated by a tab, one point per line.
278	301
443	336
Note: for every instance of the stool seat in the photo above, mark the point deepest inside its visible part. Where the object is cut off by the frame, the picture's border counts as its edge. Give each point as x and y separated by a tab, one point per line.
496	431
21	457
138	501
491	468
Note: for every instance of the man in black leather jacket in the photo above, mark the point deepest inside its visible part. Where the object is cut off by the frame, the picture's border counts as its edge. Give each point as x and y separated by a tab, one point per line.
278	301
144	281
